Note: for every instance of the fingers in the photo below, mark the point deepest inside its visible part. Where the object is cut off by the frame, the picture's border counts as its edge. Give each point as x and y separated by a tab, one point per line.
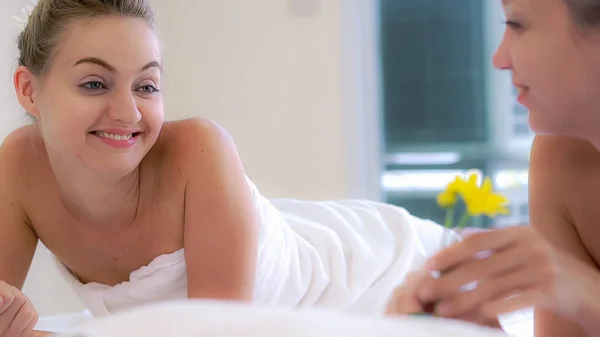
11	303
19	321
479	318
30	316
7	296
477	243
26	332
17	316
450	282
523	300
404	300
489	290
22	320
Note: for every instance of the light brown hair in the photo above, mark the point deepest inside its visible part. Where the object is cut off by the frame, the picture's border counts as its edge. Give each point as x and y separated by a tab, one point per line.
586	13
50	18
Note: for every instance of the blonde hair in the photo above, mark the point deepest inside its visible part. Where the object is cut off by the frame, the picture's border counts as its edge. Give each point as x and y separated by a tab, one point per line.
49	19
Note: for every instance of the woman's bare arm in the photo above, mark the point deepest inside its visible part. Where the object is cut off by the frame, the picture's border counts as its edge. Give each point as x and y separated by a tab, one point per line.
221	222
17	240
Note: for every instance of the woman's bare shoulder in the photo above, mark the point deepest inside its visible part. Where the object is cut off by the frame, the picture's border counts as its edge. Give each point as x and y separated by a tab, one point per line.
565	191
191	138
567	152
21	149
566	169
195	128
564	162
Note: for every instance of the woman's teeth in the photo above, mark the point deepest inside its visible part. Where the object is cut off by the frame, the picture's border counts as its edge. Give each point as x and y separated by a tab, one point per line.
113	136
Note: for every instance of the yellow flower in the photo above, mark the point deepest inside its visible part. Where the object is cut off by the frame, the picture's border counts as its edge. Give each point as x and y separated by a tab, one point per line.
449	196
458	187
483	200
479	200
470	190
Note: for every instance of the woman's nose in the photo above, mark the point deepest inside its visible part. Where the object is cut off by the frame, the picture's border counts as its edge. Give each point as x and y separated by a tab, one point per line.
124	109
502	58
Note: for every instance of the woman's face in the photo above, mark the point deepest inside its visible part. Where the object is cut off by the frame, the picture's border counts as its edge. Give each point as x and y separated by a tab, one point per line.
555	65
99	105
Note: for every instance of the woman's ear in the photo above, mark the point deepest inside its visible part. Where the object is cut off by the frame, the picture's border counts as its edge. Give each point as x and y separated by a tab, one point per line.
24	82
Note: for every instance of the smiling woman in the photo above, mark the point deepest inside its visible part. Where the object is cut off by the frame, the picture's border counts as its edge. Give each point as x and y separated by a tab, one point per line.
138	210
62	60
119	138
98	176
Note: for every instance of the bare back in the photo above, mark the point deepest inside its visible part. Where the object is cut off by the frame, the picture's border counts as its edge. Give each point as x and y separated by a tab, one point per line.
105	254
565	207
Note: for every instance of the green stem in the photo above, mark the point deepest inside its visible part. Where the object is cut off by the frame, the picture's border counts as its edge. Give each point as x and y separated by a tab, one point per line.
464	219
449	217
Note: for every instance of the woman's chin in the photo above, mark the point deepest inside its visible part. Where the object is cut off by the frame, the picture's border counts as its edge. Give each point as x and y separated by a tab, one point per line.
117	167
543	124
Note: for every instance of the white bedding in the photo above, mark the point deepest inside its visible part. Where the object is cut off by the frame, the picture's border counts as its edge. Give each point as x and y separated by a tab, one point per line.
346	255
400	241
203	318
518	325
62	322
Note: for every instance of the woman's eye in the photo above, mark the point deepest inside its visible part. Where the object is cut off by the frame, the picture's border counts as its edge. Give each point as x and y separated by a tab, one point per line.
148	89
513	24
94	85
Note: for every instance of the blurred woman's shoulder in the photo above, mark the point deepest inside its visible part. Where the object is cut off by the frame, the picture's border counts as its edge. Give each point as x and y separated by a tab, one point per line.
564	189
569	157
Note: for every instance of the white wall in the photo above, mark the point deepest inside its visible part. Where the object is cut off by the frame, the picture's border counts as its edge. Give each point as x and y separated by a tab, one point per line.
289	83
10	115
275	80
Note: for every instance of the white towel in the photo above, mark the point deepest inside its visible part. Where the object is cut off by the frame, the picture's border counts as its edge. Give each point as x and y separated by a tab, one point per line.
346	255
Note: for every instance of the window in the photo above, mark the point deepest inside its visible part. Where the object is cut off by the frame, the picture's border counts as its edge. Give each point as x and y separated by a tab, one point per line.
445	109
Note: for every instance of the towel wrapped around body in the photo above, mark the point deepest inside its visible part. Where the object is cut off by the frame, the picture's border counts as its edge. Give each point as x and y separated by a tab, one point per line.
345	255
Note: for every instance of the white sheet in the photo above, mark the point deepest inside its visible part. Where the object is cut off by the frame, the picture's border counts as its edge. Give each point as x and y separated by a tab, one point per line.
62	322
517	325
215	319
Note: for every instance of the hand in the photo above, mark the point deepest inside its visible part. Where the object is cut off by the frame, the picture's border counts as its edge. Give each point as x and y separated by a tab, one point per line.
17	316
521	270
405	301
